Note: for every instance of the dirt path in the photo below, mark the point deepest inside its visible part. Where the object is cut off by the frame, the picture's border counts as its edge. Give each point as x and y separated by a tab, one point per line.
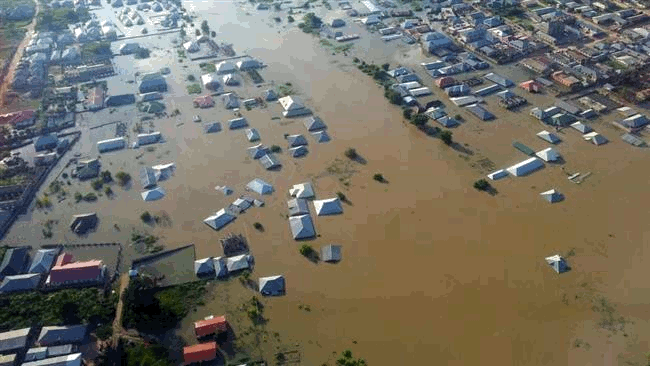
117	323
4	87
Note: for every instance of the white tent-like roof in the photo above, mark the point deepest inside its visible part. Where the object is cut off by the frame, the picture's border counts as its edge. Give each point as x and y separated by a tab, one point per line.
552	196
204	267
291	103
502	173
301	227
252	134
153	194
548	136
525	167
595	138
330	206
225	67
259	186
219	219
558	263
581	127
302	190
164	171
237	263
548	154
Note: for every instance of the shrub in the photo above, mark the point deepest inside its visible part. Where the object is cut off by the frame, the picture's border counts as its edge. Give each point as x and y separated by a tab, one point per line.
275	149
106	176
105	331
65	175
458	117
197	32
482	185
385	66
393	97
341	196
191	78
194	88
407	113
108	191
97	184
142	53
306	250
446	137
290	19
378	177
146	216
351	153
258	226
213	34
355	60
123	178
90	197
78	197
419	120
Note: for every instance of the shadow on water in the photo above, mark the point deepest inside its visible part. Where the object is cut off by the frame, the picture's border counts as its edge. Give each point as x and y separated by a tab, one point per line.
461	148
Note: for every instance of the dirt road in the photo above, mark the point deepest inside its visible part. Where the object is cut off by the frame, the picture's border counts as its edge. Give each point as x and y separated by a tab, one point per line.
117	323
4	87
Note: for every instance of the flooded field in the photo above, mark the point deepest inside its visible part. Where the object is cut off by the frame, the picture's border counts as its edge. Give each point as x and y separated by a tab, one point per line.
433	271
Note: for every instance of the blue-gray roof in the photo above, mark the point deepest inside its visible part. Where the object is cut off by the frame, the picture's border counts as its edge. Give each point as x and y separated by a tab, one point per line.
13	340
61	335
20	282
14	261
60	350
43	260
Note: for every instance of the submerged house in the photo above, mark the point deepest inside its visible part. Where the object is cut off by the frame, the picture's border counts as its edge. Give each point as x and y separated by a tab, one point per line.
293	106
525	167
301	227
272	285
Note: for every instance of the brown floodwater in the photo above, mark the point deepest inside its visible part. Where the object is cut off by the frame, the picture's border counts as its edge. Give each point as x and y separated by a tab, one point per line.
433	271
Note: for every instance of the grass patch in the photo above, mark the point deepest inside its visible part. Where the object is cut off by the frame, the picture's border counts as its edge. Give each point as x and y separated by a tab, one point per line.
64	307
194	88
208	67
151	311
122	178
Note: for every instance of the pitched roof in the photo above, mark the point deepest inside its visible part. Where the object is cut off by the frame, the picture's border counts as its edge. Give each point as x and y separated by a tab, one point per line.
219	219
204	266
238	262
13	261
558	263
298	206
237	123
200	352
20	282
291	103
314	123
272	285
269	161
43	260
54	335
206	327
552	196
257	151
252	134
7	360
147	177
321	136
548	154
14	339
212	127
67	360
302	190
330	206
331	253
220	268
548	136
153	194
298	151
259	186
84	222
65	270
296	140
301	227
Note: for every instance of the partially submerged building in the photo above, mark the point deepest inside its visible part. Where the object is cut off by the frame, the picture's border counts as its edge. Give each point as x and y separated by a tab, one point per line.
301	227
83	223
330	253
293	106
298	206
330	206
14	261
220	219
525	167
200	353
259	186
302	190
272	285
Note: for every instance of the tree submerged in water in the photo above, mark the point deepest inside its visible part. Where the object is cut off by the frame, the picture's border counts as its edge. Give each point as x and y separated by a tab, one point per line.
347	359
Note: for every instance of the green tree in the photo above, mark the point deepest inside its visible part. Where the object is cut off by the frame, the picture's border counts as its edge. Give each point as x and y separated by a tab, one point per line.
205	27
183	33
482	185
419	119
446	137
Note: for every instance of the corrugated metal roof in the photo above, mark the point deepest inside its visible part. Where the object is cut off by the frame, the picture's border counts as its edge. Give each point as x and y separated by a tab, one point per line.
13	340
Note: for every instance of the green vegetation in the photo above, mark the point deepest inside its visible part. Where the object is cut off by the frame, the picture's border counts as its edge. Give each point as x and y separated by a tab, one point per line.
446	137
105	331
194	88
379	177
375	71
78	197
148	241
306	250
53	20
123	178
393	96
15	180
197	32
385	66
96	49
108	191
482	185
106	176
459	118
205	27
146	217
351	153
311	23
290	19
142	53
342	196
275	149
43	202
97	184
64	307
347	359
419	120
183	34
208	67
191	78
141	354
255	310
258	226
90	197
407	113
151	311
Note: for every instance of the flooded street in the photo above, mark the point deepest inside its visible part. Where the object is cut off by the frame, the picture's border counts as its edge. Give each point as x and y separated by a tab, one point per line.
433	271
